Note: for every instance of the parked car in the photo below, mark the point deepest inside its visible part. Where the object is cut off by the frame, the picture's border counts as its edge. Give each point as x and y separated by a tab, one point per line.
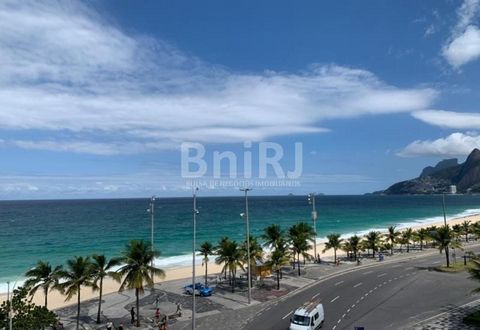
308	317
200	290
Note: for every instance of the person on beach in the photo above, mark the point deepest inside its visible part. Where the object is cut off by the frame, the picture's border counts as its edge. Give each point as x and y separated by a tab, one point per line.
132	314
109	326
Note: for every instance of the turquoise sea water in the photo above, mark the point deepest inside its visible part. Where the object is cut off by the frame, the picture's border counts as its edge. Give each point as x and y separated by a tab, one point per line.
58	230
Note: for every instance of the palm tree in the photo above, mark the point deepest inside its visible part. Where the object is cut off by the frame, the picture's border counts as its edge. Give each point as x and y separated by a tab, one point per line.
77	274
101	268
457	231
272	235
206	249
422	235
334	242
42	276
137	270
230	254
278	258
466	229
372	241
407	235
354	242
299	235
220	251
256	254
392	236
444	237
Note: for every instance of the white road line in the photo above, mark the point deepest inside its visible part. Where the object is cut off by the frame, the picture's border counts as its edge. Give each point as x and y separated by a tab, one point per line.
339	321
395	266
357	285
338	283
384	282
353	306
348	310
334	327
283	318
436	262
408	268
343	316
315	296
370	271
335	299
362	297
357	301
395	278
382	275
375	288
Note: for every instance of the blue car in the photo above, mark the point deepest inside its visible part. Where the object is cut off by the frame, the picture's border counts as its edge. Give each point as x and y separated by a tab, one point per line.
200	290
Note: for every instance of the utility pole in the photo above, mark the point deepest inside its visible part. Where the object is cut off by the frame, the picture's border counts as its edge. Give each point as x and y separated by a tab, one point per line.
195	212
249	272
311	200
152	218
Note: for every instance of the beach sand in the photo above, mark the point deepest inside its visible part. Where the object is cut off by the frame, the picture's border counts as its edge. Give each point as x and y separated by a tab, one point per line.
56	300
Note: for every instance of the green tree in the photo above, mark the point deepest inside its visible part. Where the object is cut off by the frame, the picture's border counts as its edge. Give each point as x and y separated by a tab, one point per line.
466	229
42	276
445	239
334	242
272	235
25	314
206	249
77	274
256	254
300	235
231	256
372	241
137	269
278	258
474	270
422	235
354	242
102	268
392	236
407	236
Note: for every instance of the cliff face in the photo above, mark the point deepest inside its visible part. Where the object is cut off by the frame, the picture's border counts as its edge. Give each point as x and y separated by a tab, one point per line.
438	179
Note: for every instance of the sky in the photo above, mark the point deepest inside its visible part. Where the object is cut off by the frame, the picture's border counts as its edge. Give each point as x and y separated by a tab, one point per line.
97	98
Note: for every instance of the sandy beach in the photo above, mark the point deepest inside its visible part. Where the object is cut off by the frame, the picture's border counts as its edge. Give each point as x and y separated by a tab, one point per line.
56	300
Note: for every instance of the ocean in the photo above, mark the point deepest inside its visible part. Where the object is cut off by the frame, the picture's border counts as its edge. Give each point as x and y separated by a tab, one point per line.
56	230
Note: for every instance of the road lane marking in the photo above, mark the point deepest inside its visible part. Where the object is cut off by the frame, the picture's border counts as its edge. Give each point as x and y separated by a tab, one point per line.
357	285
334	327
339	321
395	266
408	268
436	262
335	299
382	275
361	298
338	283
315	296
370	271
353	306
283	318
348	310
343	316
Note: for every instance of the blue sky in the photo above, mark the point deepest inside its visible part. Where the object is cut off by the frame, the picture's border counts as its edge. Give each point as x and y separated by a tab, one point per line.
96	97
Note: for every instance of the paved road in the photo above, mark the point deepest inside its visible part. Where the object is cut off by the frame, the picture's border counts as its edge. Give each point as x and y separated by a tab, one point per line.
387	296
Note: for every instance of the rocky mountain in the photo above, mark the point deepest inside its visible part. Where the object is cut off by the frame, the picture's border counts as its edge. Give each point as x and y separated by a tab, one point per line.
438	179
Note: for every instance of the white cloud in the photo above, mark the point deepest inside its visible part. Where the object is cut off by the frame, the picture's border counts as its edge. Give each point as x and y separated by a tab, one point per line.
456	144
449	119
463	46
76	79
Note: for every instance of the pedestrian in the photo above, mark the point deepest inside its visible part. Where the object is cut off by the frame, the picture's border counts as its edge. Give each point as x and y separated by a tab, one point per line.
157	314
157	301
109	326
132	314
120	327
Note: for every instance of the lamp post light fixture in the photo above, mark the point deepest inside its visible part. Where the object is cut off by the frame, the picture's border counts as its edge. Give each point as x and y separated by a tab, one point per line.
249	271
195	212
311	201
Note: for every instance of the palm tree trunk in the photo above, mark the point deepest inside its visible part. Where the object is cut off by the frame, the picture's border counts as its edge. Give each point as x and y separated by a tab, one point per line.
408	247
46	296
278	279
421	245
298	259
335	255
100	301
78	307
138	306
447	255
206	273
391	248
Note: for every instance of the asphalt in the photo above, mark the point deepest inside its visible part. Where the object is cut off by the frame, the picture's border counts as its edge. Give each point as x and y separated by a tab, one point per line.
383	296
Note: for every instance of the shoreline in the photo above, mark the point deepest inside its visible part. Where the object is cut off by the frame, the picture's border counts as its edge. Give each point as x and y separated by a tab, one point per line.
56	300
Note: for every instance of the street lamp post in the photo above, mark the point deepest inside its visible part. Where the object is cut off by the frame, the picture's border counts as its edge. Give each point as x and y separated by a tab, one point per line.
311	201
444	212
195	212
152	218
249	274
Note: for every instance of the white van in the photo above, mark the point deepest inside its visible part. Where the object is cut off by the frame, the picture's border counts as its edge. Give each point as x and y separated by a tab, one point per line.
308	317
